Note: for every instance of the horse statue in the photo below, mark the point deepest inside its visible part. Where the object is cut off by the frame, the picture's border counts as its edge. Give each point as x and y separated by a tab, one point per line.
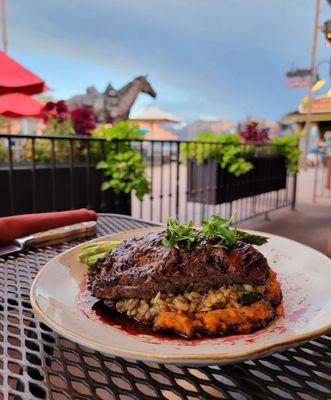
112	106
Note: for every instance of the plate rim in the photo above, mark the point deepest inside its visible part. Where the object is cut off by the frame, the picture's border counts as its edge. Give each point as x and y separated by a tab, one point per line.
140	355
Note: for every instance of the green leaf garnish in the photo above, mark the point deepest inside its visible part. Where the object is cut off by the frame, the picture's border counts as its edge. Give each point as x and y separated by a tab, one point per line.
218	229
215	228
178	234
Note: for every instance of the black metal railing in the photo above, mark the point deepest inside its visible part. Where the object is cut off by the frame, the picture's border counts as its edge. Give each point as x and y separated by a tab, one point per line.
321	161
44	173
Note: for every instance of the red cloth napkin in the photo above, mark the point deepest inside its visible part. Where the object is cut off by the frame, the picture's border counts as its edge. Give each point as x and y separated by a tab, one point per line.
23	225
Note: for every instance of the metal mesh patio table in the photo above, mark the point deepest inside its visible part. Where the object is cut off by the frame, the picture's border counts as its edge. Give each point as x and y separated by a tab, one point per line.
37	363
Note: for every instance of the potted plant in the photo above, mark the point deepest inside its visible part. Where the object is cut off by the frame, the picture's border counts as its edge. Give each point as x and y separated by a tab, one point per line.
227	167
105	188
215	165
270	171
123	168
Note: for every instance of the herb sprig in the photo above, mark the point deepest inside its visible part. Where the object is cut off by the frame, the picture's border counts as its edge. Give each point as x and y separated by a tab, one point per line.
216	228
180	234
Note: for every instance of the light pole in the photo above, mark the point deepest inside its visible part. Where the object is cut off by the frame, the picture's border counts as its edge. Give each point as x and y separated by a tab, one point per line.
4	26
307	127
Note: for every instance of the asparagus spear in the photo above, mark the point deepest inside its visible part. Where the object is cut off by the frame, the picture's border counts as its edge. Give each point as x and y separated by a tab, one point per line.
91	252
91	260
252	239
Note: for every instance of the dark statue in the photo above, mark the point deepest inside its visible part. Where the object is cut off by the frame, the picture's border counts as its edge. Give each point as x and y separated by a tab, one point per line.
113	105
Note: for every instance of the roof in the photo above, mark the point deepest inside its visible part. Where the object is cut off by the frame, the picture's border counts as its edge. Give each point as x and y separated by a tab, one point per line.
320	111
302	117
16	78
153	113
158	132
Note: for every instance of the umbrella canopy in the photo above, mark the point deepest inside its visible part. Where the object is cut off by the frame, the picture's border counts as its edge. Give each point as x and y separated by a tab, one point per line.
154	114
18	105
16	78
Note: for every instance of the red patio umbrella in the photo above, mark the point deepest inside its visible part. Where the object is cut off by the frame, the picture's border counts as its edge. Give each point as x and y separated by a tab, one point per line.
16	78
18	105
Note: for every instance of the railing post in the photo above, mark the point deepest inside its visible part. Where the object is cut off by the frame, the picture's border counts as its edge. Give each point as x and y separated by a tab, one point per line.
177	180
161	184
294	188
88	174
71	175
294	192
53	174
170	182
33	171
315	182
103	204
151	196
141	201
10	176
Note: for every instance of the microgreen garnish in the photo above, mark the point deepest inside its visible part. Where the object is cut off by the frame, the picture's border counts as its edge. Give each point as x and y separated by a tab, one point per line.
180	234
215	228
218	229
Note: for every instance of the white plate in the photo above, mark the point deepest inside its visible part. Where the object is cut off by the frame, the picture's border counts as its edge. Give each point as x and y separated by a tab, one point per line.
305	275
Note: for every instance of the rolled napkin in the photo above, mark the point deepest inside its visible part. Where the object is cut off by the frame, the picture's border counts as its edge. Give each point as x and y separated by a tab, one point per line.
18	226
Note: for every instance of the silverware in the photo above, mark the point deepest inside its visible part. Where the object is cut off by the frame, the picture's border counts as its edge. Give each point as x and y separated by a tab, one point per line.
50	237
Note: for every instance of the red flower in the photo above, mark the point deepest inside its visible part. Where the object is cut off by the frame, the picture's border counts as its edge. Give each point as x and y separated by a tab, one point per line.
252	133
83	120
61	107
50	105
57	111
63	115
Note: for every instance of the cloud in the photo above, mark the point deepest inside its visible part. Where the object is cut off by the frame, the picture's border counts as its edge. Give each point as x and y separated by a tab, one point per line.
218	57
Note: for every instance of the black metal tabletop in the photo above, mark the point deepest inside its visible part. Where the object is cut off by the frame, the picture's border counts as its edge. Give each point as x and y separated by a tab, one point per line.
37	363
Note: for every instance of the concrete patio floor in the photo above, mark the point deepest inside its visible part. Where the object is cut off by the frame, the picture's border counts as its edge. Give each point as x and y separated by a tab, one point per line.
309	223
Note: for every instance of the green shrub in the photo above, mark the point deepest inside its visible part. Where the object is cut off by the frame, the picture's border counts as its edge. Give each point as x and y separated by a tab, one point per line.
123	167
43	151
227	149
3	152
287	146
232	155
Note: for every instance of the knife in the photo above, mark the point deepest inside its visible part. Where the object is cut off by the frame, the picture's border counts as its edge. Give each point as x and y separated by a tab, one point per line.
50	237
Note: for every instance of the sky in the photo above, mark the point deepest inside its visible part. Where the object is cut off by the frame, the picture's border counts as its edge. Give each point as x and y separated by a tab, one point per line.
206	59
